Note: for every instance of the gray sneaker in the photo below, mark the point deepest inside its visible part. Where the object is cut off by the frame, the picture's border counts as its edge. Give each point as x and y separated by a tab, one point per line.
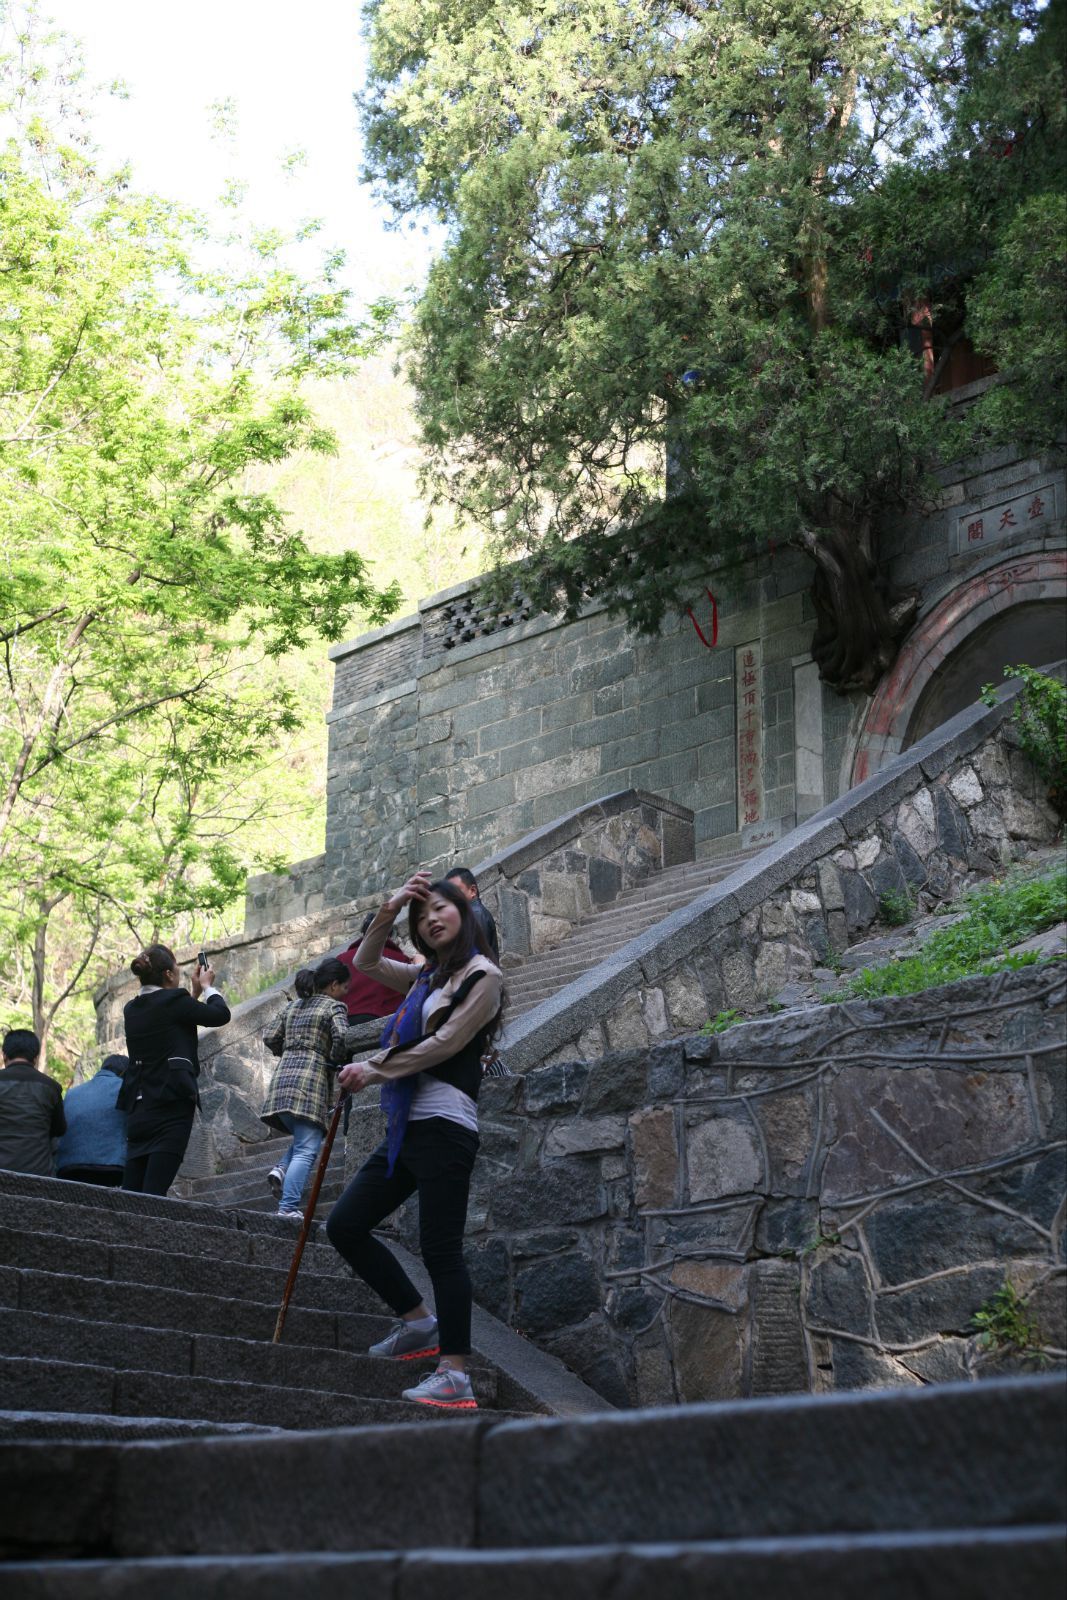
275	1179
445	1388
405	1343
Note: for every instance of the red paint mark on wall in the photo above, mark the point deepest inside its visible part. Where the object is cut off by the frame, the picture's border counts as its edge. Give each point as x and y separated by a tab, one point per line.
709	644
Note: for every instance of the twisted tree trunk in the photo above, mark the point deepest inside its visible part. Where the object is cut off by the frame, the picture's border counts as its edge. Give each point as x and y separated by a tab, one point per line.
859	619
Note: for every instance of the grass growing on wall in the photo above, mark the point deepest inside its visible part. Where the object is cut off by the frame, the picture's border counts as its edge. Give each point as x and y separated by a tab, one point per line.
1002	915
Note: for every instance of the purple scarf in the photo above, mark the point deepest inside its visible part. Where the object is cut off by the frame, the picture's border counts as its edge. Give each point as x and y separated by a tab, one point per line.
403	1027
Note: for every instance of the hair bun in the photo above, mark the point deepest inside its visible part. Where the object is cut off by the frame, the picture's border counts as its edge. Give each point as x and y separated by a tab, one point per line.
141	965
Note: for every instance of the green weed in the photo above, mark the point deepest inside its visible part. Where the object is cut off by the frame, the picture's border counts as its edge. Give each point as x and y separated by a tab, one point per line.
1004	1323
997	917
1040	717
896	907
721	1021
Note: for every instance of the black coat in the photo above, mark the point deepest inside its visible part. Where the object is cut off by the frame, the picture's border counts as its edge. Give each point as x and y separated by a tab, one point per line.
161	1044
31	1116
484	917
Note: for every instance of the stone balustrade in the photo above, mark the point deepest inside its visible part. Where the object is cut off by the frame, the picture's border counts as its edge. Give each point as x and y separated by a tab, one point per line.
540	888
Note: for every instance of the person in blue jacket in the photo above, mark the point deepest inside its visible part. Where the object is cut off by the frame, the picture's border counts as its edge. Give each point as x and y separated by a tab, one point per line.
93	1149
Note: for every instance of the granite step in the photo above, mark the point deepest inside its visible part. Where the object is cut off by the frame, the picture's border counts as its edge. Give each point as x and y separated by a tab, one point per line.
214	1234
33	1335
606	930
224	1190
90	1427
132	1392
107	1300
167	1208
252	1169
953	1565
957	1457
140	1267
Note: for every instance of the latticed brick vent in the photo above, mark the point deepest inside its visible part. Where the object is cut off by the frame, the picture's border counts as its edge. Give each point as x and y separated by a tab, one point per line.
473	617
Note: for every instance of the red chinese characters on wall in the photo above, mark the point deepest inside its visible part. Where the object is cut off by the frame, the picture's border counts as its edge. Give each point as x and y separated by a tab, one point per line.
748	670
1035	507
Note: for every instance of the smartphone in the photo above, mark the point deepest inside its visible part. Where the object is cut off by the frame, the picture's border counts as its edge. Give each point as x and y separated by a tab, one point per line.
201	958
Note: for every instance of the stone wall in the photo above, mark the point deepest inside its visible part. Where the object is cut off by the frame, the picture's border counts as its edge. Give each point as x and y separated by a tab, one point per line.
272	897
954	807
822	1201
455	732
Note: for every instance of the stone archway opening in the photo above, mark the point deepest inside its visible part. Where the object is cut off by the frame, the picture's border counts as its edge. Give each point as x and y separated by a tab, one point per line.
1034	633
1013	612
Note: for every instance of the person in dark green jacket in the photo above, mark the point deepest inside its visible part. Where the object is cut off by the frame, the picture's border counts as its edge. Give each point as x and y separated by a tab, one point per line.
31	1107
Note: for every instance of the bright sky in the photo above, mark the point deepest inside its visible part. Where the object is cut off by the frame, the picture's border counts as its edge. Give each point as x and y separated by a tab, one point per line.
290	67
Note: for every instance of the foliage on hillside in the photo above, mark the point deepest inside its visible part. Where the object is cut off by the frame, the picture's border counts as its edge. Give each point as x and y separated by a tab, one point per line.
165	600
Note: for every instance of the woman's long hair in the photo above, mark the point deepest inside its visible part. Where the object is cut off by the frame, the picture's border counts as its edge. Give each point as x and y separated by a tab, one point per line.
470	941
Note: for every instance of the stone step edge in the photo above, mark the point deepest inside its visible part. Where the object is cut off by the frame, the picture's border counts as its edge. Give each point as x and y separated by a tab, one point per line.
207	1218
688	1565
253	1180
244	1188
237	1388
483	1369
307	1269
92	1196
98	1427
269	1308
892	1461
250	1164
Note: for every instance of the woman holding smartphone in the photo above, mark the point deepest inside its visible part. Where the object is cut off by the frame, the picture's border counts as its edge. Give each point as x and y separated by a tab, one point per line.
159	1088
430	1071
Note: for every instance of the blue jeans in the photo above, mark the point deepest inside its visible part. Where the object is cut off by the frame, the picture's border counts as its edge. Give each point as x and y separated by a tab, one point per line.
299	1159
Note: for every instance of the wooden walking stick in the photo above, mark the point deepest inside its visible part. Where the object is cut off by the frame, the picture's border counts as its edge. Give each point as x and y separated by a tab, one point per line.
309	1215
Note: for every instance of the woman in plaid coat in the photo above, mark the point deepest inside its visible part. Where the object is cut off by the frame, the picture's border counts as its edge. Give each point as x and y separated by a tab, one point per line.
309	1035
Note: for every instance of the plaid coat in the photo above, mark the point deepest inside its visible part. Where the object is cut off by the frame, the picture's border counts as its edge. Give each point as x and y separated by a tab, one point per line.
307	1035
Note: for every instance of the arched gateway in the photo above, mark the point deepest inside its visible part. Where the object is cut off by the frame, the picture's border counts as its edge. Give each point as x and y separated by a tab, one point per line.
1011	612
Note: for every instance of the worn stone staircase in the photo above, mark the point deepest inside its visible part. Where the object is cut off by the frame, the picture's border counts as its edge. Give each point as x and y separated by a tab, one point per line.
241	1181
119	1306
601	933
953	1491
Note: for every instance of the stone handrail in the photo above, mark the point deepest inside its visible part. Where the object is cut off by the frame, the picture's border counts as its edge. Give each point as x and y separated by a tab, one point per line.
540	887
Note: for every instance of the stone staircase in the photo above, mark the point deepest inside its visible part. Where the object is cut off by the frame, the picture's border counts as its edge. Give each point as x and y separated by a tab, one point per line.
954	1491
603	932
118	1306
241	1181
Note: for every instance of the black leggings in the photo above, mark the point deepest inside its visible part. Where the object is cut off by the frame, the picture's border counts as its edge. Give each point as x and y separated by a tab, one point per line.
435	1159
152	1174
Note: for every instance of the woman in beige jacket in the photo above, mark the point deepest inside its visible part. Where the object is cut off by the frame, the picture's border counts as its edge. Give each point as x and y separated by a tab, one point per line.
430	1071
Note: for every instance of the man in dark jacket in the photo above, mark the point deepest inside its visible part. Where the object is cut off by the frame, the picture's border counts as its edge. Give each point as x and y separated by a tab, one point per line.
467	884
31	1107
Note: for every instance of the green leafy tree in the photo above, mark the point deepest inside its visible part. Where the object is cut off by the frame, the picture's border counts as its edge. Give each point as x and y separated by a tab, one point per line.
688	242
150	590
